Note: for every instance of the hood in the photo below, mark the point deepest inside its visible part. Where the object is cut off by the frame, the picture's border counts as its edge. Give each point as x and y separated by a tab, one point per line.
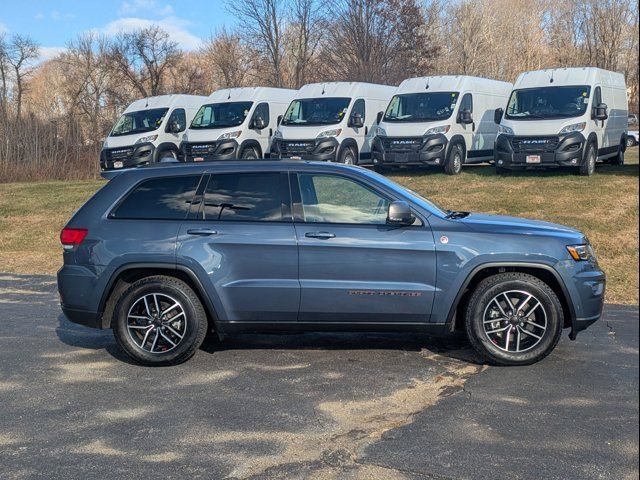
127	140
300	132
208	134
411	129
523	226
540	127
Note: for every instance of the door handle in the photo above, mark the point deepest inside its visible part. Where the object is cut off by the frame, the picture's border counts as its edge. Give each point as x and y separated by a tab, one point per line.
202	231
320	235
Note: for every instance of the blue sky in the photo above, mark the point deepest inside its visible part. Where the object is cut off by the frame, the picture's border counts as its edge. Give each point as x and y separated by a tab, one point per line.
53	23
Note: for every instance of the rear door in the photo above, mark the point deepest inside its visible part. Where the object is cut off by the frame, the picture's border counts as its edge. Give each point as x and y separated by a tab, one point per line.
239	236
353	267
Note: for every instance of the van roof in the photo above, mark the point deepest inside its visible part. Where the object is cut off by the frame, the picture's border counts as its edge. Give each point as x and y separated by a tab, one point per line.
569	76
252	94
454	83
346	89
166	101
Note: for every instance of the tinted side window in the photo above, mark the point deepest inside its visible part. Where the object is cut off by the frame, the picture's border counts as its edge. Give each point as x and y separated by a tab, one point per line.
466	103
253	197
179	116
262	111
334	199
358	107
159	198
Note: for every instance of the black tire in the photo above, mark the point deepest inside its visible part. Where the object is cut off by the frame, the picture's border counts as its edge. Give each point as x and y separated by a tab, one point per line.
588	166
195	321
249	153
631	142
348	156
455	159
167	156
618	160
482	300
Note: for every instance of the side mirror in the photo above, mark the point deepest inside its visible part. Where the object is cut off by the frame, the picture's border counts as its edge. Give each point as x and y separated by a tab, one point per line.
465	117
600	112
399	214
356	121
379	117
279	120
497	116
259	123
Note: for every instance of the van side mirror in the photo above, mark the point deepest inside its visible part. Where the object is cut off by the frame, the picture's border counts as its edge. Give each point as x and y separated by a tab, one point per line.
356	121
465	117
497	115
259	123
600	112
399	214
279	120
379	117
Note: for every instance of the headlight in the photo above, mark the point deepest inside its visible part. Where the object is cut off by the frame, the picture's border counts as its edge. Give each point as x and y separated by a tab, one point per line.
228	135
278	134
440	129
581	253
149	138
574	127
330	133
381	131
504	129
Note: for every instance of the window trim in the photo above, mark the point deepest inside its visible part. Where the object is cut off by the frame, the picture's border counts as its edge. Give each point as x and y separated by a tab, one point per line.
184	126
255	110
353	107
111	214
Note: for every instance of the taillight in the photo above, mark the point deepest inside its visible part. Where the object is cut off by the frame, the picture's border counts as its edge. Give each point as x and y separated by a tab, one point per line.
70	237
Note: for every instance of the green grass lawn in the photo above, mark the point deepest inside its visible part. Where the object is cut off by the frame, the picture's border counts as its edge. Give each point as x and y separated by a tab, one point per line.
604	206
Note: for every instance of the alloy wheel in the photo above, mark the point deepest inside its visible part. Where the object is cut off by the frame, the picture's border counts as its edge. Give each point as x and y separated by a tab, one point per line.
156	323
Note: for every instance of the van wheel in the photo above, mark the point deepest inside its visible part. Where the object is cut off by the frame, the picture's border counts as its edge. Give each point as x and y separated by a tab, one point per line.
348	156
588	166
618	160
167	156
249	153
159	320
513	319
630	141
455	159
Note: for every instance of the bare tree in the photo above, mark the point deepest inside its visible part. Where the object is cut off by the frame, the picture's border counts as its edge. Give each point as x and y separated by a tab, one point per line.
306	30
228	58
21	51
143	57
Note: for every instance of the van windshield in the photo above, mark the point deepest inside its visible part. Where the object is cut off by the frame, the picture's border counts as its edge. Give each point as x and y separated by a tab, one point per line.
221	115
316	111
139	122
421	107
548	102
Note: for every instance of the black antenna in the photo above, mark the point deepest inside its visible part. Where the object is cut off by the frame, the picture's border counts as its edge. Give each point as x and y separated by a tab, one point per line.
229	94
426	87
146	99
551	79
322	89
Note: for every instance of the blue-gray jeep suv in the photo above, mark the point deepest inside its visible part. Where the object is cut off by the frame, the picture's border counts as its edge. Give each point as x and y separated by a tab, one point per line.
164	254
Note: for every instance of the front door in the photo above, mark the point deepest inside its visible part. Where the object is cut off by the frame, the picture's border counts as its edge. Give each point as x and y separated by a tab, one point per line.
353	266
240	238
468	130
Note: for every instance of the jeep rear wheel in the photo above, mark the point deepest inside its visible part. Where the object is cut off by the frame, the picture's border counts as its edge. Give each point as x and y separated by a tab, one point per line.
513	319
159	320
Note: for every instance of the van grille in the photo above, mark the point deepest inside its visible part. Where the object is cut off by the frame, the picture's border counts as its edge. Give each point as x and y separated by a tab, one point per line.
297	146
401	143
119	153
195	149
534	144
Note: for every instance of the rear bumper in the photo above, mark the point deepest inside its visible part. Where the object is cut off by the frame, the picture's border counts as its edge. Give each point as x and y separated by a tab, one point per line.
130	156
410	151
554	151
323	150
83	317
80	291
209	151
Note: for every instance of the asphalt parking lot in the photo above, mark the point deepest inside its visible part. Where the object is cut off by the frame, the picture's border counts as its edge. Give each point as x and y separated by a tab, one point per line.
309	406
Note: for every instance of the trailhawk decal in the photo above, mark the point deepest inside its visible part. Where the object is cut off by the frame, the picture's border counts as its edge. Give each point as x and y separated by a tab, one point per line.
385	293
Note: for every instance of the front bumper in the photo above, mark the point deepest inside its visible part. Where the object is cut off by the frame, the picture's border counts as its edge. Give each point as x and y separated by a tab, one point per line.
209	151
514	151
323	150
409	151
127	157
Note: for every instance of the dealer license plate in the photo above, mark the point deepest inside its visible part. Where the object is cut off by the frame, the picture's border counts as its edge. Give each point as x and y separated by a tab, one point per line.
118	164
533	159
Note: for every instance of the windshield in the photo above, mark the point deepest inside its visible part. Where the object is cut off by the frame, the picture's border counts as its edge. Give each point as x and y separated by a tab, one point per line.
421	107
316	111
221	115
139	122
548	102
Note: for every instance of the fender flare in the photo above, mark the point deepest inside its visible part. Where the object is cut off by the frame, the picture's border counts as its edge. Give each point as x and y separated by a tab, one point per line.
592	138
250	143
457	139
533	265
163	147
197	284
346	143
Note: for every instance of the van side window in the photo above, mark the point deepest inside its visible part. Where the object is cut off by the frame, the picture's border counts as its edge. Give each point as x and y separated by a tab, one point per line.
166	198
177	116
358	107
466	103
261	111
249	197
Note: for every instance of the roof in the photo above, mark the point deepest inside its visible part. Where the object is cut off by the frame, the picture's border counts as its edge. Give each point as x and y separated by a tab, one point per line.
345	89
453	83
569	76
165	101
252	94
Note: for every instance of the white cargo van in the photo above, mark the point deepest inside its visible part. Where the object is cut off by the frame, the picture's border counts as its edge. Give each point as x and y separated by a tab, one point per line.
235	123
149	130
568	117
332	122
445	121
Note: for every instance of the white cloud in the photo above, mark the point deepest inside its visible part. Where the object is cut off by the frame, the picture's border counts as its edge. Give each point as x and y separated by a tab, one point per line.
47	53
3	28
148	7
174	26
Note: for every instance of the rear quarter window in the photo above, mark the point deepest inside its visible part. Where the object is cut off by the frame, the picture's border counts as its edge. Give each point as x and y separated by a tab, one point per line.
167	198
